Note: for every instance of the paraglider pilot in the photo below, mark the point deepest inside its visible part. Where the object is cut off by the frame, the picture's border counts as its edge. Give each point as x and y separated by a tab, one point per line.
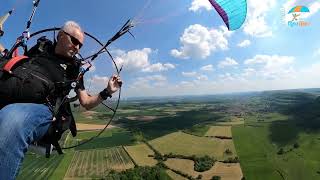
27	114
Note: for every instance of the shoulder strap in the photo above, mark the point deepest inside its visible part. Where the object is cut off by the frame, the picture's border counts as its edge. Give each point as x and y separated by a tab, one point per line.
12	62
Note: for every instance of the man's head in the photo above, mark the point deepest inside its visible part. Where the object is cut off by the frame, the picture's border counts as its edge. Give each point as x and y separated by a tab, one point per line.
69	40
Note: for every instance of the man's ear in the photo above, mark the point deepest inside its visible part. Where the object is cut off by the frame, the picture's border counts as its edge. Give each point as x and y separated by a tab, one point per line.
59	35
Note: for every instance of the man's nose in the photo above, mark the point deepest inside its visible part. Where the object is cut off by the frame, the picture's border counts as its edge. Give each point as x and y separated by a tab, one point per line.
76	47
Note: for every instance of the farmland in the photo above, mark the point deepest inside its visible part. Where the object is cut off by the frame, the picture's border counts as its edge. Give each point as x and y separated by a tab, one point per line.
259	158
185	144
274	135
224	131
224	170
38	167
140	153
96	163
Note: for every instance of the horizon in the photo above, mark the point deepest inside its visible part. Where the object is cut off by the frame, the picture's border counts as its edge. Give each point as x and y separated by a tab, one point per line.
220	94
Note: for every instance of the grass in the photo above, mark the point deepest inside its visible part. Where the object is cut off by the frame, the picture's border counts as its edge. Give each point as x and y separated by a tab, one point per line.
258	153
139	153
61	170
39	167
109	138
185	144
219	131
183	165
198	130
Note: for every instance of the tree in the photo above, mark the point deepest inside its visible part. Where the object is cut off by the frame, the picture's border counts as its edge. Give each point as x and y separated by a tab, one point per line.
203	163
296	145
216	178
281	151
199	177
228	151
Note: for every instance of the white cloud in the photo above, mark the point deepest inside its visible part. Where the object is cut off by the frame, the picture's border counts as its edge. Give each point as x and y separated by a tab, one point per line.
153	78
248	72
314	7
148	82
251	79
227	62
135	59
226	77
244	43
256	23
189	74
158	67
272	67
316	53
139	60
202	77
200	42
271	61
197	5
96	83
207	68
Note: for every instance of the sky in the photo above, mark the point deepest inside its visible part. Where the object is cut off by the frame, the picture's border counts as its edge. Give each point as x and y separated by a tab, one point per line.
183	47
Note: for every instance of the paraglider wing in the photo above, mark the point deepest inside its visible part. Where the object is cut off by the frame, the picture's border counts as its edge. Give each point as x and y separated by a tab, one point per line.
233	12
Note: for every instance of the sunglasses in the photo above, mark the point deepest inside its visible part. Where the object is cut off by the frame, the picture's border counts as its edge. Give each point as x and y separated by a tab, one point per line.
74	40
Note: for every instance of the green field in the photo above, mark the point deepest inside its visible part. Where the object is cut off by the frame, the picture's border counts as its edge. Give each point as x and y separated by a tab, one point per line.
109	138
39	167
257	148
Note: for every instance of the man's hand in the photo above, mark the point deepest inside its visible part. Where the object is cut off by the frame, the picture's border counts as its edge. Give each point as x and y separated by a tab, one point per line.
114	84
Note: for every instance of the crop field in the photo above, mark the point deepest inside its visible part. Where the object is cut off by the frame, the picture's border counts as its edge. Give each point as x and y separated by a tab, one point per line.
219	131
227	171
233	121
185	144
96	163
139	153
39	167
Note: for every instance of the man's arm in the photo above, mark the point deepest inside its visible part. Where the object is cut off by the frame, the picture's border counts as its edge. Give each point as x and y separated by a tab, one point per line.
88	101
91	101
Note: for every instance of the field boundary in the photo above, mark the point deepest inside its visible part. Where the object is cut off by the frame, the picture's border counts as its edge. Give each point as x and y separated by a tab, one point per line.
134	162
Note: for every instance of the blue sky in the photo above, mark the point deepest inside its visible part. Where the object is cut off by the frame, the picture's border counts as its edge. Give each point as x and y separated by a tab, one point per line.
182	47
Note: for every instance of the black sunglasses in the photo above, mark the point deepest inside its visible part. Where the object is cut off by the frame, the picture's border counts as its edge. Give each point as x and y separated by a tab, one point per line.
74	40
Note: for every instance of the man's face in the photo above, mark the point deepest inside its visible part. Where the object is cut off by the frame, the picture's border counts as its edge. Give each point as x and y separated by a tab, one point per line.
69	42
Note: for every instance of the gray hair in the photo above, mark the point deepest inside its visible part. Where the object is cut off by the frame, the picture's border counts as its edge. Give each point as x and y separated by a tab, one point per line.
69	25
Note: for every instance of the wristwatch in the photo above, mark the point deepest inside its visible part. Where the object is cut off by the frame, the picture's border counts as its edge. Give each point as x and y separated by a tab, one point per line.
104	94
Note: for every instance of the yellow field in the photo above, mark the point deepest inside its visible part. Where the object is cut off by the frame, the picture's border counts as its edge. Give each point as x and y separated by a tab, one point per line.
226	171
219	131
139	153
95	163
175	176
91	127
185	144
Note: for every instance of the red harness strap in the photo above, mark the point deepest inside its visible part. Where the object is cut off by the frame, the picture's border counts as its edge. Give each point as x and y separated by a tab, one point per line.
9	65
